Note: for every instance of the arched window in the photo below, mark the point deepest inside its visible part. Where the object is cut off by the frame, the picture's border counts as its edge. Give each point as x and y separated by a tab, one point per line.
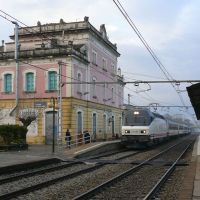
113	126
52	80
79	122
94	125
105	126
29	82
8	83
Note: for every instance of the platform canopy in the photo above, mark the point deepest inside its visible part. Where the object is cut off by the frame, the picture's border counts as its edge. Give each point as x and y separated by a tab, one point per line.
194	94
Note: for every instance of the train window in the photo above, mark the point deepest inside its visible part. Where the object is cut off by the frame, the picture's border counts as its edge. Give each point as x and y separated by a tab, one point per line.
137	118
126	120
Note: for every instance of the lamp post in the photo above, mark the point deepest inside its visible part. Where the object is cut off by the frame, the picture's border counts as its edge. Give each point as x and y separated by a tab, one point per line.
17	61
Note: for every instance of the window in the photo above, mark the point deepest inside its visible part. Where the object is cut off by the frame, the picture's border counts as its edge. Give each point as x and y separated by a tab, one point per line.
104	126
112	93
104	91
93	87
79	84
8	83
113	126
120	98
29	82
113	68
94	57
94	125
52	80
104	63
79	122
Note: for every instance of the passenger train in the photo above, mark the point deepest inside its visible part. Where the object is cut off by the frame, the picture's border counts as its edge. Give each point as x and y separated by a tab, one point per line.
141	127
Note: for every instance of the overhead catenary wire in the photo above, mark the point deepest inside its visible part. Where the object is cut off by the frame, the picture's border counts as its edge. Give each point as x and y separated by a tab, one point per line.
138	74
149	49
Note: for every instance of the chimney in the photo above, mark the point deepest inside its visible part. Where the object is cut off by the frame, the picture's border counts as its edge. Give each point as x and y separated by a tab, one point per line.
86	19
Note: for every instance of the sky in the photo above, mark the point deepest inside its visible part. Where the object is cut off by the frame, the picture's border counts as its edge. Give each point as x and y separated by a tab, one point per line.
171	28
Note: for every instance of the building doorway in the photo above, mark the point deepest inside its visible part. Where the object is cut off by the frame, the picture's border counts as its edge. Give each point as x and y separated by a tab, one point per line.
113	126
49	127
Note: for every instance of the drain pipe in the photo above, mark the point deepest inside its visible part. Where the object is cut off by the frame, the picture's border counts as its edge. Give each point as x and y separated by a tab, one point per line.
17	67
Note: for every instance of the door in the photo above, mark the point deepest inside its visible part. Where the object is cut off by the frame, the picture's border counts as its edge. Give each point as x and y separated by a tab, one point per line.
49	127
113	126
104	127
79	136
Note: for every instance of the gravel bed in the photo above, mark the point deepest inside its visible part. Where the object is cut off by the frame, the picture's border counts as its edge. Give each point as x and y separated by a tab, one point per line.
173	185
25	182
176	187
78	185
134	186
2	176
75	186
117	156
172	154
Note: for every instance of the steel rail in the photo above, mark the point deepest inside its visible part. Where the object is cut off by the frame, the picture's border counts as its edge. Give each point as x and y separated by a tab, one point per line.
50	182
164	178
29	174
37	172
32	164
96	189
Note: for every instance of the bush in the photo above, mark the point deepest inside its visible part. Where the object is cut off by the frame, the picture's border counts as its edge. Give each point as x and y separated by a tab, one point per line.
13	134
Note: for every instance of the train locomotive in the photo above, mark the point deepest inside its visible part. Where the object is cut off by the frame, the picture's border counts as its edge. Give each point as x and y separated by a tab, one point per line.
141	127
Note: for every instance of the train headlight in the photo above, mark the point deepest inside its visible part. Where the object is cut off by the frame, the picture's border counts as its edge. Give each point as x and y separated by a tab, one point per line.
127	131
143	131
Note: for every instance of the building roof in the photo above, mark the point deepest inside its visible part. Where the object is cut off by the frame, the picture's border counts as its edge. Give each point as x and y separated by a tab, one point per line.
194	94
52	29
46	52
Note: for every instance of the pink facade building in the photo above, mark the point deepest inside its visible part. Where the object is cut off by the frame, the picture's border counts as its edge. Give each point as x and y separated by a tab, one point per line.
73	62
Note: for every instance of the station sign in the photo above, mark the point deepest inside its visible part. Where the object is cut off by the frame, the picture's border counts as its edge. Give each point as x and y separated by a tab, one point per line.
40	104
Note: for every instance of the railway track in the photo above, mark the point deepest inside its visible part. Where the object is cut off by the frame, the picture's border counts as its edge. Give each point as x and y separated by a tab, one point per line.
17	172
97	172
138	182
70	170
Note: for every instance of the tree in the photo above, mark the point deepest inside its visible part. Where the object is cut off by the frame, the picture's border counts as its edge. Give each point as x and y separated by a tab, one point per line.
27	116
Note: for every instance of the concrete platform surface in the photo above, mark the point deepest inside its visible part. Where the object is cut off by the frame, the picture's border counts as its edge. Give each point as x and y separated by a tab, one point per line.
39	152
196	189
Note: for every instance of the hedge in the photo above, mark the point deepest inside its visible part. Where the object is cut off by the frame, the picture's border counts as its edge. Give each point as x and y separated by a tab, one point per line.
13	134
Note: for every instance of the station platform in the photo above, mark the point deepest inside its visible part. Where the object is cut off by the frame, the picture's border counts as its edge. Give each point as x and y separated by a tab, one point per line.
196	159
40	152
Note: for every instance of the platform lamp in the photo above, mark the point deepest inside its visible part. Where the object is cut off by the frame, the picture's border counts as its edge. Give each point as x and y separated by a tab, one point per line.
53	105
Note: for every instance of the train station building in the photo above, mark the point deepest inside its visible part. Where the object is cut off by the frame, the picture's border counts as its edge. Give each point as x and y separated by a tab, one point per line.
69	65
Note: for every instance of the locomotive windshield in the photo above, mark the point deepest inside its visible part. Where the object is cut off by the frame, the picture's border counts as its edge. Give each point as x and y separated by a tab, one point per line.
137	118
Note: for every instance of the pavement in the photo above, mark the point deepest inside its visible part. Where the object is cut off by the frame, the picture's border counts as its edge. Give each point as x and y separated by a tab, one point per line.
40	152
196	155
